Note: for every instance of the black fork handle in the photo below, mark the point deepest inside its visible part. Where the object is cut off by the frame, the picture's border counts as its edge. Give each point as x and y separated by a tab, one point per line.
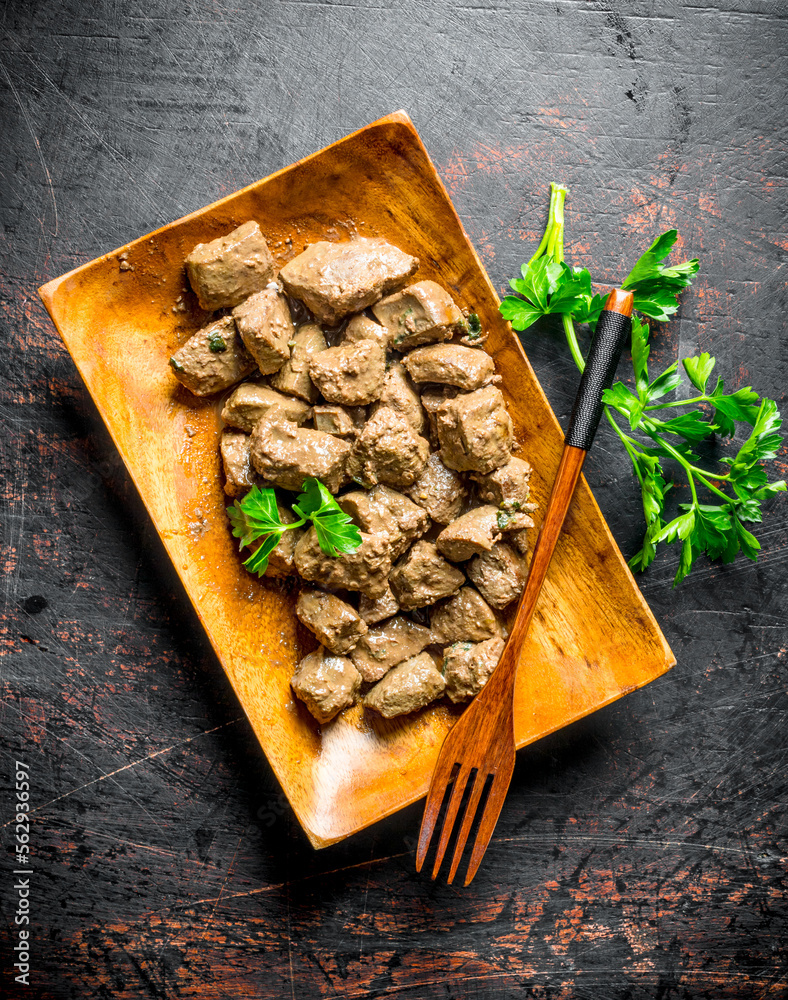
612	331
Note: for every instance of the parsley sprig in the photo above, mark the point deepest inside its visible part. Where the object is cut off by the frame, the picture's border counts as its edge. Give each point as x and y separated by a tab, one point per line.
548	286
257	517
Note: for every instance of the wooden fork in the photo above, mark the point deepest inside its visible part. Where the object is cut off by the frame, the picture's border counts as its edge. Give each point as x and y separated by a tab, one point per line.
477	756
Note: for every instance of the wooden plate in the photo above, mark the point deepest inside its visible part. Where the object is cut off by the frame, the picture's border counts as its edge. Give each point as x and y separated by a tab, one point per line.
123	315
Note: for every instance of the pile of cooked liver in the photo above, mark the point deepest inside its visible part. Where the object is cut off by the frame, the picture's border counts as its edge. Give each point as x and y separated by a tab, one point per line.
384	392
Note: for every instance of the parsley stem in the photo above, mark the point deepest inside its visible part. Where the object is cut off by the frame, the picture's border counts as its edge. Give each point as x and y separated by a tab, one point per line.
303	516
709	486
627	441
555	241
689	469
722	476
678	402
571	339
552	241
691	480
543	242
703	474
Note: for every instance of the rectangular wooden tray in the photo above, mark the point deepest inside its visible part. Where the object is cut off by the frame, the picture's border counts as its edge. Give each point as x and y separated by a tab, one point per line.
121	317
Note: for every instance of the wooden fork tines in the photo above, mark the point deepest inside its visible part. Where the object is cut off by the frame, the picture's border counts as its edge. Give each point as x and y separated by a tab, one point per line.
474	770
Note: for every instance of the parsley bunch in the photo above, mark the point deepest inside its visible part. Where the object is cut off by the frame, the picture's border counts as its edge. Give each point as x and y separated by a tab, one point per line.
257	517
548	286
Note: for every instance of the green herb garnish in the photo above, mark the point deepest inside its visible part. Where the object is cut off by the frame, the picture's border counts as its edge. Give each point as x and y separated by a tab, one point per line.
336	532
257	517
217	343
474	326
176	365
504	519
549	286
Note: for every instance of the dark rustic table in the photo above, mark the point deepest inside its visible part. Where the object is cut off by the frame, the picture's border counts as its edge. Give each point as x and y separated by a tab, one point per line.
641	852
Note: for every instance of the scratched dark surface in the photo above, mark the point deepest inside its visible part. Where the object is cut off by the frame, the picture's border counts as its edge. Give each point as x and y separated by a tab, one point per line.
642	852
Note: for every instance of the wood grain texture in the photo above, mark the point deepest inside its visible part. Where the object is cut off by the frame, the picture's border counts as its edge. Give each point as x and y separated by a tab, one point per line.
641	852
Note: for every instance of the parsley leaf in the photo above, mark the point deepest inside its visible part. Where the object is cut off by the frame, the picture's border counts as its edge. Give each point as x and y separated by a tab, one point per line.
314	498
699	370
474	326
336	533
626	402
669	380
691	426
519	313
655	286
258	560
640	353
589	312
548	287
762	444
257	517
737	406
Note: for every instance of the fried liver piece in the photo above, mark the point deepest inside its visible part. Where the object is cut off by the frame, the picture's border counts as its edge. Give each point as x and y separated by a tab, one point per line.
239	474
377	610
467	667
383	511
212	359
507	485
440	491
451	364
466	617
337	624
520	540
334	279
286	454
334	419
351	373
266	327
361	327
387	645
367	569
499	574
514	521
325	683
470	534
399	394
431	399
422	313
281	562
227	270
406	688
293	377
423	577
252	400
475	431
388	451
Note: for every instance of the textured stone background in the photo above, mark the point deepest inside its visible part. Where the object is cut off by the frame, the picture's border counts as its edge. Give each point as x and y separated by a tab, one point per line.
641	852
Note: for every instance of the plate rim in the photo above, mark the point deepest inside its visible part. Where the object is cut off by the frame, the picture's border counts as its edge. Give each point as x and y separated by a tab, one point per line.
48	293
